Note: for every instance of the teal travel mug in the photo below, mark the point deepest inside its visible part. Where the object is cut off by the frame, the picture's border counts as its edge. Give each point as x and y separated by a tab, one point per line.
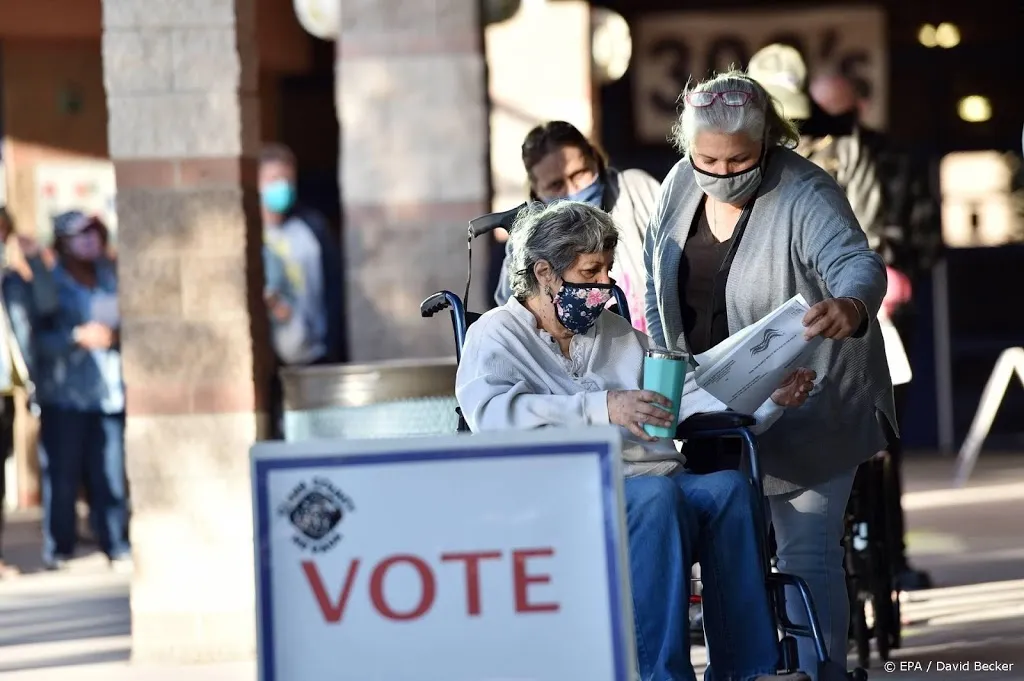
664	373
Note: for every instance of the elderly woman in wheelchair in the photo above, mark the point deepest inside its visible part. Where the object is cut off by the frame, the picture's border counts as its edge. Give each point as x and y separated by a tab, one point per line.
549	357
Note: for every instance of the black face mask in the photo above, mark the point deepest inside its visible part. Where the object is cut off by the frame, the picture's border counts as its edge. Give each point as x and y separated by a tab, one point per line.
840	124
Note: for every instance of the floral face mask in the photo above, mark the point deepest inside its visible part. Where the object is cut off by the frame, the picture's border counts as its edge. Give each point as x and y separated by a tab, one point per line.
579	305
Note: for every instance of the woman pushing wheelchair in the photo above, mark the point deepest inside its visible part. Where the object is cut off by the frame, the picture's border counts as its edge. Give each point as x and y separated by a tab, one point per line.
549	357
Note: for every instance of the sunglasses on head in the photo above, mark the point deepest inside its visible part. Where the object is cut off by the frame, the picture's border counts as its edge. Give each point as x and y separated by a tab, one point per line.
701	99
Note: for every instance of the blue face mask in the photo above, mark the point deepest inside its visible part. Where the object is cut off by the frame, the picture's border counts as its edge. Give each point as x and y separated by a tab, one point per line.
277	196
592	194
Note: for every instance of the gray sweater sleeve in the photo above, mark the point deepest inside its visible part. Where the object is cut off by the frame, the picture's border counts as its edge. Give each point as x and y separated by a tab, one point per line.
837	248
657	224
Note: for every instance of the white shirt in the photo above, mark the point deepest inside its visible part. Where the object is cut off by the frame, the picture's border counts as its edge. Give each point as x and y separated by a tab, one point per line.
514	376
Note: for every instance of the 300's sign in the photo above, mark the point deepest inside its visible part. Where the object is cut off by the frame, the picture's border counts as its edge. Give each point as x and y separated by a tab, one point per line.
672	49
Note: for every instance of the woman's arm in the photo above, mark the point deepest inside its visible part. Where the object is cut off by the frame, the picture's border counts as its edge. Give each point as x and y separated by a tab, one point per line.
494	395
44	287
54	338
836	248
653	316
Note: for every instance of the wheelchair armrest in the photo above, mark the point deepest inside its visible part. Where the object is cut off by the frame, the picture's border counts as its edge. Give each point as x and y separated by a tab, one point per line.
714	421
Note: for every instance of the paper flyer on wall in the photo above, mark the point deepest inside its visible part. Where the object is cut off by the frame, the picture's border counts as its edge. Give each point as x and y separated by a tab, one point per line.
747	367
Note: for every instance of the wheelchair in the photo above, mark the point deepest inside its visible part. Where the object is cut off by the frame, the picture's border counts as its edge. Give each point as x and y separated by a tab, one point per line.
708	426
870	544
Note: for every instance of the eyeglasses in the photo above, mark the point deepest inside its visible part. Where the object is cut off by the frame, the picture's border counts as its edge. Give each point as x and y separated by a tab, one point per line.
729	98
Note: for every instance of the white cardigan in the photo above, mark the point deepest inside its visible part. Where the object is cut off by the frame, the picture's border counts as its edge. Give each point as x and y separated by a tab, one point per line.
513	376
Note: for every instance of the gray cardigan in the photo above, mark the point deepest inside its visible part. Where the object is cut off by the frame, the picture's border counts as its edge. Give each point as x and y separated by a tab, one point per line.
802	237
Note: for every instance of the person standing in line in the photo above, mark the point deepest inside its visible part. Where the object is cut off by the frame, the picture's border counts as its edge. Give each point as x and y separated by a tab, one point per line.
302	270
80	390
27	287
562	164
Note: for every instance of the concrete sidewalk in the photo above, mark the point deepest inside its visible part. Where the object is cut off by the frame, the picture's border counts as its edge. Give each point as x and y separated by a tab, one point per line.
76	625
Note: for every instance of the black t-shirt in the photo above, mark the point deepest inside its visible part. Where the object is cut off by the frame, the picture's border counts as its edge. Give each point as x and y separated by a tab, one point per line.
703	271
700	273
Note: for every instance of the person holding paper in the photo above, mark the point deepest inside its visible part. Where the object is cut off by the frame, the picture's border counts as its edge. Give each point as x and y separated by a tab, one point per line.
549	357
743	225
80	390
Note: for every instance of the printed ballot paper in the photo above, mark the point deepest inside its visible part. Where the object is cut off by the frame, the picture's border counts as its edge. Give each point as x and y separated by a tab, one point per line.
746	368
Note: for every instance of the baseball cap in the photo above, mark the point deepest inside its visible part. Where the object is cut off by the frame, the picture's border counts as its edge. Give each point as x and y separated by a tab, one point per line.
781	71
70	223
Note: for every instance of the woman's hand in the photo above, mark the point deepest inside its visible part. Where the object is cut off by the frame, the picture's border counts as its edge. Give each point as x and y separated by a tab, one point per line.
795	388
94	336
631	409
279	310
835	318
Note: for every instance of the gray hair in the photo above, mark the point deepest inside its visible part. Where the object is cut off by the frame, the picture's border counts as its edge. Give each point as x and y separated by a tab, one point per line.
759	119
558	233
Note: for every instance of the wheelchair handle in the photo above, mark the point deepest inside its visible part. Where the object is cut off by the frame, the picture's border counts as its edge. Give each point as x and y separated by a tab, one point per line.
490	222
435	303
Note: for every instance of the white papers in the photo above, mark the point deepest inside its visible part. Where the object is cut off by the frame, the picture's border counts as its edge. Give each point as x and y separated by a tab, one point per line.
105	310
747	367
895	353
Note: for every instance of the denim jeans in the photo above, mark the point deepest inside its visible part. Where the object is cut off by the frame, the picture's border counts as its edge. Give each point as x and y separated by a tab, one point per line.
809	526
672	521
82	447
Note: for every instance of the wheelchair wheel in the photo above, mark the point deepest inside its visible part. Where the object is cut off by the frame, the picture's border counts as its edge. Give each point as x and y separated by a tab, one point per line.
896	636
881	601
861	631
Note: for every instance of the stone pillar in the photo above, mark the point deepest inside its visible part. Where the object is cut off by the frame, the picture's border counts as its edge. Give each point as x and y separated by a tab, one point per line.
550	81
412	107
181	80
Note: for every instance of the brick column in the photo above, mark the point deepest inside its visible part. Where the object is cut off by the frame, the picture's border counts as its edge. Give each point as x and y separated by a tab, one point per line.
413	113
181	81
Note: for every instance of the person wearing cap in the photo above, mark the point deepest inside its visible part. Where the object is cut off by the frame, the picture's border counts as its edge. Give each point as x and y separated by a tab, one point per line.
828	134
742	226
81	395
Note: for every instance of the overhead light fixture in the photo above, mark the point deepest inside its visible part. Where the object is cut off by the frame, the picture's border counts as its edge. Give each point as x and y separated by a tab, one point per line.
975	109
611	45
947	35
926	36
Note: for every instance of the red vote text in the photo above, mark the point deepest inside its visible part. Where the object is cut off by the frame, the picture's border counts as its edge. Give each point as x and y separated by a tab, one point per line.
456	570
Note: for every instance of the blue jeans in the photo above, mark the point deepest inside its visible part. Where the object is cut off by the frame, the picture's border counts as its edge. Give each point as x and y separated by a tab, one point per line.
79	447
672	521
809	525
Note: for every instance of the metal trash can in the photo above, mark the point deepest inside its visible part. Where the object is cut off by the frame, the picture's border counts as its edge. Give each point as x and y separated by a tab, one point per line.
404	398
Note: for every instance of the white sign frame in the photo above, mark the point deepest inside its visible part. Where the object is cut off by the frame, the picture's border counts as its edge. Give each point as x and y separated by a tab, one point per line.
601	444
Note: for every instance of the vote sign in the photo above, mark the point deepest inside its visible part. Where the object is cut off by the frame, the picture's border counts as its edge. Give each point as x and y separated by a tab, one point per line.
671	48
463	557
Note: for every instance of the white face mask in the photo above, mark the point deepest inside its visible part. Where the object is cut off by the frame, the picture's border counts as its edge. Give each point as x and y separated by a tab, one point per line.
734	188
